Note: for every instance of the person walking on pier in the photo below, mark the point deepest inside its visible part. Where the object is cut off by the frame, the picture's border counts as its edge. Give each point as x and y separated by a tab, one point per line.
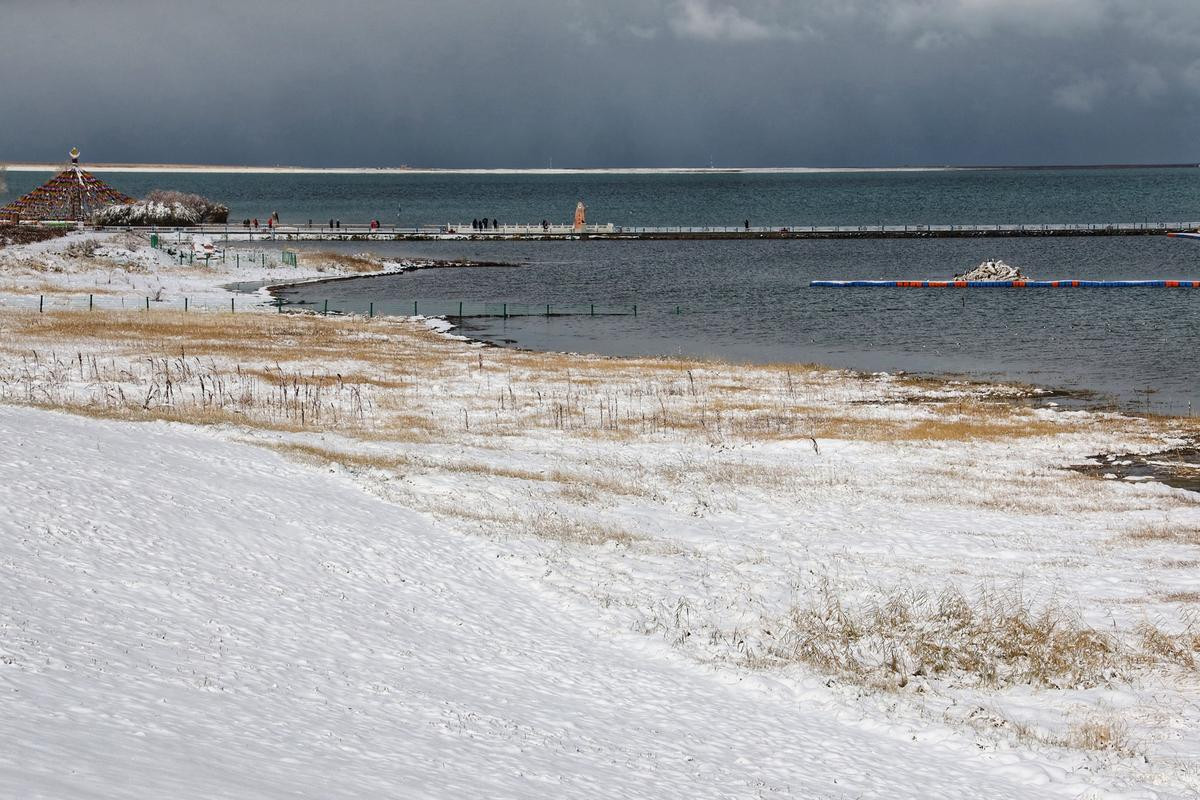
495	225
747	226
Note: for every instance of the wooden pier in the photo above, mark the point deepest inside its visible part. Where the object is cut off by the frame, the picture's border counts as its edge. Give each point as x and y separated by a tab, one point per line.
236	233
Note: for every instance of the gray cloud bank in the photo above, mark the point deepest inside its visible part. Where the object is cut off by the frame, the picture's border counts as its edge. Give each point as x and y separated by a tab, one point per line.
622	83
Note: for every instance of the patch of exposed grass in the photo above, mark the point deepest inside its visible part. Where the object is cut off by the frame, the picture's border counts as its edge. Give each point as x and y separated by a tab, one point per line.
1100	733
344	262
1175	534
993	640
1178	648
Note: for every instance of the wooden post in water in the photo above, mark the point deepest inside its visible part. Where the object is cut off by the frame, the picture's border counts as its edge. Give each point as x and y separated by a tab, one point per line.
89	302
371	310
41	303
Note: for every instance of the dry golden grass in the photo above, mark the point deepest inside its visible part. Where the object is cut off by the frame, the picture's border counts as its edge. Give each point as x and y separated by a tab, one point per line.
992	640
344	262
1178	648
391	366
1175	534
551	526
1176	563
959	422
188	415
272	337
1100	733
593	485
55	289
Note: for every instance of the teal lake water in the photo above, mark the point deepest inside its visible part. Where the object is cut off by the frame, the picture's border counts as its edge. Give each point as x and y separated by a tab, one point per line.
750	300
768	199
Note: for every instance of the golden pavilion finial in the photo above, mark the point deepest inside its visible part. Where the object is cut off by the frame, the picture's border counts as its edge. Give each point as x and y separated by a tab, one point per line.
74	155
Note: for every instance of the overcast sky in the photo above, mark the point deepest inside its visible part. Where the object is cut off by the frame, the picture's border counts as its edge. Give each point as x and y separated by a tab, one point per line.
615	83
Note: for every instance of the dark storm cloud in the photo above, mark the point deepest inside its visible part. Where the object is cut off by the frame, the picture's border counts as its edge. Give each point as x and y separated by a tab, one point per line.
602	84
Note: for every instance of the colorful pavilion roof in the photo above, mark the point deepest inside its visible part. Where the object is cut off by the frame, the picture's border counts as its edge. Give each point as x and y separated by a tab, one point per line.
73	194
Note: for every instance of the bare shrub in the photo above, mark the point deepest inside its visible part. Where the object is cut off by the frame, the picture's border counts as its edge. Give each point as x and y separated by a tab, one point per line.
81	249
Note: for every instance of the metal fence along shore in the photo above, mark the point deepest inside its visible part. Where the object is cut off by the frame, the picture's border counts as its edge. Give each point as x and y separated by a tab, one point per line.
450	309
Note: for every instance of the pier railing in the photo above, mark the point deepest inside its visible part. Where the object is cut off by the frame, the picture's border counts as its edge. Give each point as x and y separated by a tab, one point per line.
611	231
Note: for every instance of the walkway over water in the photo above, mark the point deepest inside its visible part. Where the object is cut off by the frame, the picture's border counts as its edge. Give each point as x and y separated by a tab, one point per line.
319	232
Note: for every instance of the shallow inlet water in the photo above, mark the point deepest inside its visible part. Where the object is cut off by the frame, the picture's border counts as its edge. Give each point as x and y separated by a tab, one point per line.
750	301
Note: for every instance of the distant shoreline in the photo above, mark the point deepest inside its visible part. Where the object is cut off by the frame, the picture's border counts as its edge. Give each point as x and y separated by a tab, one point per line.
293	170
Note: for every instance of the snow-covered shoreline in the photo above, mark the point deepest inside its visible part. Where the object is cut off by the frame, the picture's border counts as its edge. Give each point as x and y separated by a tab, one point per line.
815	572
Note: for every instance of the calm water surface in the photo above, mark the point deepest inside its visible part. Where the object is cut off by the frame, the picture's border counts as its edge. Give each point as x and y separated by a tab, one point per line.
750	301
771	199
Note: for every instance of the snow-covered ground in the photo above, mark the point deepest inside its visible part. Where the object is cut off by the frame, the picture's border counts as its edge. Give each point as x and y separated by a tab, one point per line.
189	617
396	563
121	270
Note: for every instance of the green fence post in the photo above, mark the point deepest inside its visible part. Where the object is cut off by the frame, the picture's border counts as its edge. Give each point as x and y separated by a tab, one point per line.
506	310
414	308
147	303
237	260
41	303
635	310
460	309
185	305
547	309
89	302
326	311
593	309
371	311
231	308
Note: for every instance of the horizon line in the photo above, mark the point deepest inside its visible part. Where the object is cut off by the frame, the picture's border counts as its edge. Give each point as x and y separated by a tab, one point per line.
135	167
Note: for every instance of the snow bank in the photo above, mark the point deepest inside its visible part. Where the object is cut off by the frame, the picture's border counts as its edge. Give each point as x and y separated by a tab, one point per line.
279	634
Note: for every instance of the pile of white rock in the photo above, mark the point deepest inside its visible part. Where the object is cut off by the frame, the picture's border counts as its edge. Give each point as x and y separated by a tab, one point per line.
992	270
